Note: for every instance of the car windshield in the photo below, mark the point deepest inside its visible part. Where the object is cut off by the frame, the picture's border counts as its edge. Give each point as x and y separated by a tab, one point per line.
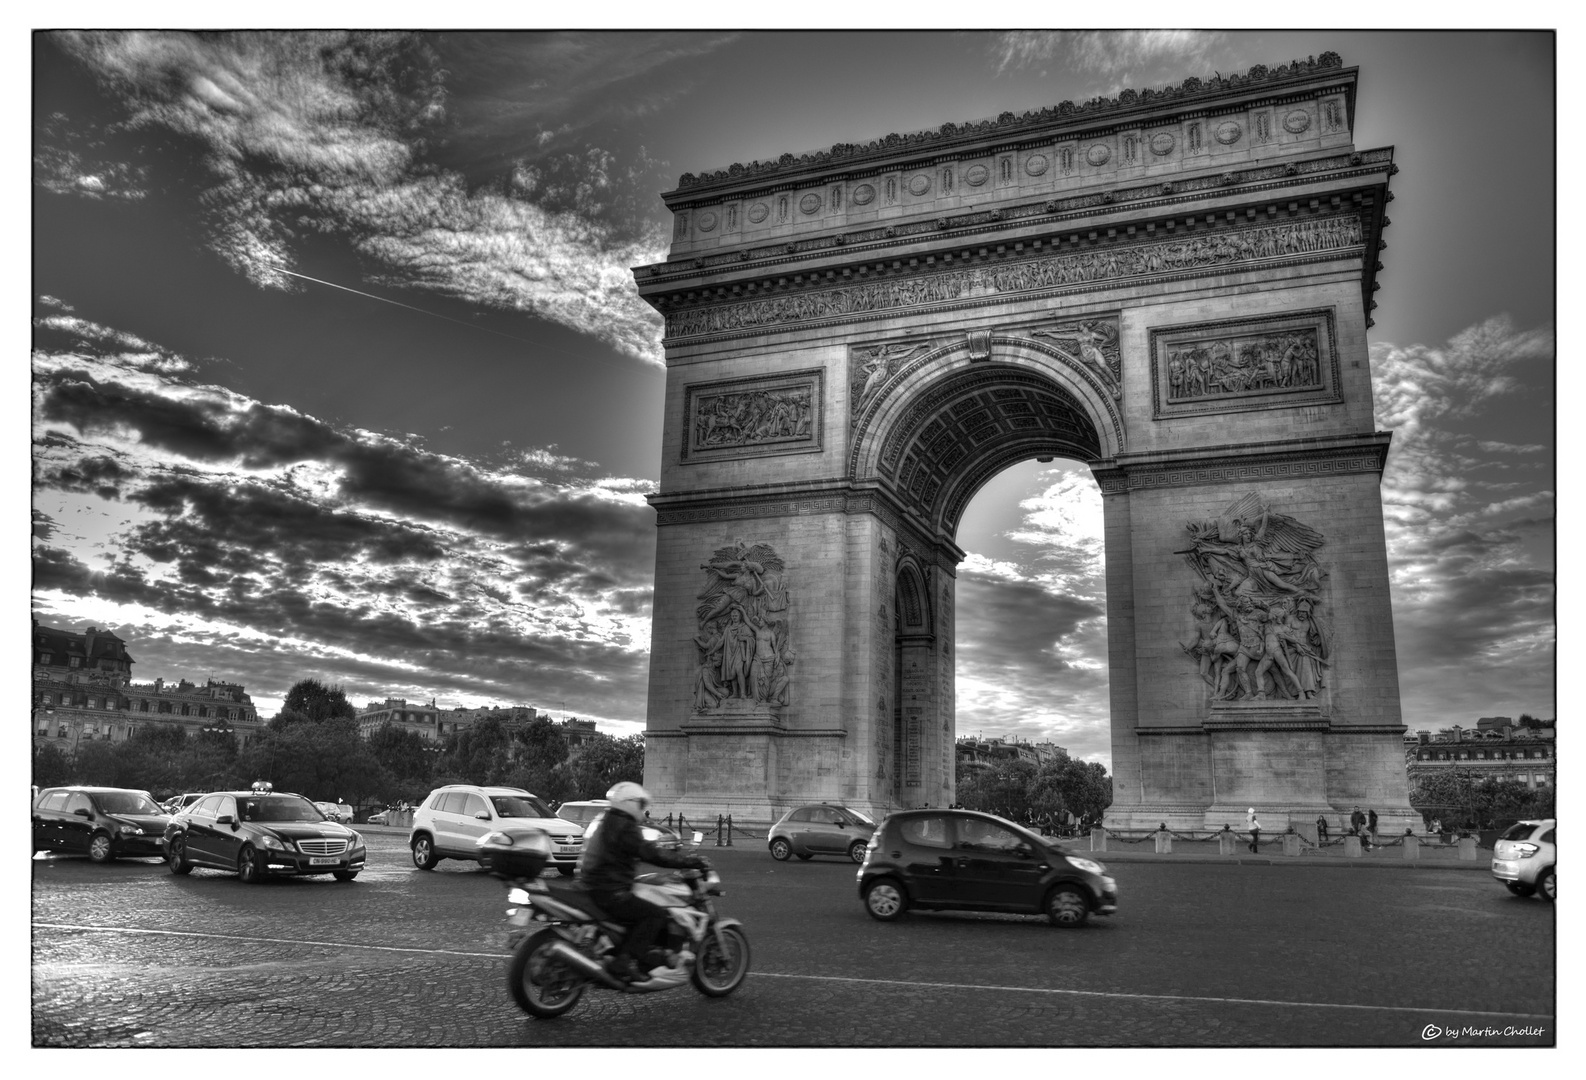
278	808
860	818
126	802
524	806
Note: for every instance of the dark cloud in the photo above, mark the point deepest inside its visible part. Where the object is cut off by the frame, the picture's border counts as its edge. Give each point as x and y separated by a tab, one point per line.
1017	626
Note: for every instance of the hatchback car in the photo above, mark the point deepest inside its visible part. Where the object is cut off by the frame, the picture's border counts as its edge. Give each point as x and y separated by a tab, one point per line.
1523	858
820	829
259	834
455	818
964	860
102	823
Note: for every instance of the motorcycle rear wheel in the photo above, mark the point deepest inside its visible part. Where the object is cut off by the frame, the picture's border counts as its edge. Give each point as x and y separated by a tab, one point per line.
542	985
719	972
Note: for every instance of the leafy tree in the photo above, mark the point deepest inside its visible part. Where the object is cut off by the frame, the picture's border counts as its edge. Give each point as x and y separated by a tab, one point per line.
1082	788
478	754
50	766
403	754
325	760
1002	788
313	699
604	761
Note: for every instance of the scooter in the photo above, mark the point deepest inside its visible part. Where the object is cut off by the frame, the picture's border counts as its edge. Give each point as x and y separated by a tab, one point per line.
561	941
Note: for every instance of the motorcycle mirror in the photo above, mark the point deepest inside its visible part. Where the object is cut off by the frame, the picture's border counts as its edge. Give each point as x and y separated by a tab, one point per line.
698	836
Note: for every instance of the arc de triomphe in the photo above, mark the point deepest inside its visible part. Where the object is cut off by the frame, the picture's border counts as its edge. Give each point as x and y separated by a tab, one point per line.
1172	287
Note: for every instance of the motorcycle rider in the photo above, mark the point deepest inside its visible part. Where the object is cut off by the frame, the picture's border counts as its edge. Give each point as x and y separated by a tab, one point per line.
607	867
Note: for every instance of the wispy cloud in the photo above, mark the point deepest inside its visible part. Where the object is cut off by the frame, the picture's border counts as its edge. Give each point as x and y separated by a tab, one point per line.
1117	56
328	133
269	533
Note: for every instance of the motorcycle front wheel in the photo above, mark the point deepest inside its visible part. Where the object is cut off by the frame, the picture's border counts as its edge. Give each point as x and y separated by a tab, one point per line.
721	965
542	985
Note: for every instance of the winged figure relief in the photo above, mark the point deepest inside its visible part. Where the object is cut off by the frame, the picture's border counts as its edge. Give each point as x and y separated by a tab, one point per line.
1093	345
875	366
743	633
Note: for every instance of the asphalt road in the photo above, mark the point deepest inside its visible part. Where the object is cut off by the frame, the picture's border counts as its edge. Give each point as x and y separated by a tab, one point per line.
1198	955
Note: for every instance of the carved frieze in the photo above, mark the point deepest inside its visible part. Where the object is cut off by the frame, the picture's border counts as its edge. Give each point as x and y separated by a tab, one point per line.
1091	343
1210	252
752	417
1237	365
744	657
1260	634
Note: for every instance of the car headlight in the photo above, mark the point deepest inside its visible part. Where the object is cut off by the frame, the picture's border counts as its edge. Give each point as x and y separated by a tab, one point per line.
129	830
271	842
1086	865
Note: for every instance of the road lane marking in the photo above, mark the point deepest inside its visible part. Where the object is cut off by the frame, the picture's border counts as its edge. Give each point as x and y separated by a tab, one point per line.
1113	994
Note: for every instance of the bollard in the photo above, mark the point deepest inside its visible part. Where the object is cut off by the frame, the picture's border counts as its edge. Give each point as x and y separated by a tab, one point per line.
1352	846
729	830
718	830
1291	845
1467	849
1412	847
1225	843
1164	842
1098	839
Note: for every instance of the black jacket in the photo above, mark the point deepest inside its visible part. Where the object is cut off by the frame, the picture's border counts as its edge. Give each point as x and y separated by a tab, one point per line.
614	850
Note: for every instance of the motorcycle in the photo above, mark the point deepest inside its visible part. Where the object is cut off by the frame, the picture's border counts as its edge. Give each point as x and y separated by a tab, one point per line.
561	941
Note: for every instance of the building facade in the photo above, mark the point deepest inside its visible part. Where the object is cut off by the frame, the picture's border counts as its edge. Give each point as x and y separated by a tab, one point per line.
1526	755
994	750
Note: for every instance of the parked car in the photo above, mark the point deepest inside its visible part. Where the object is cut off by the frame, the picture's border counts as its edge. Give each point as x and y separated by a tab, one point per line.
379	817
1524	856
102	823
965	860
453	819
335	811
261	833
177	803
820	829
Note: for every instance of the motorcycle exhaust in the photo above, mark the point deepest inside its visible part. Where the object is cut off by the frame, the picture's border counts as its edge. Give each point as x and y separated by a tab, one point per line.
584	965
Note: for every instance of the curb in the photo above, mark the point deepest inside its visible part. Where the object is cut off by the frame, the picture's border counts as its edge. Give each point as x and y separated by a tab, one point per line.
1484	865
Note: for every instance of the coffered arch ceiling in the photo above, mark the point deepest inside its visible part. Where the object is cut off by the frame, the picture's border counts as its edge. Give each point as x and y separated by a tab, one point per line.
973	423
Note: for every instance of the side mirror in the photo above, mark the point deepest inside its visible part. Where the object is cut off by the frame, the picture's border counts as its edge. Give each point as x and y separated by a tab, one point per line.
225	819
483	815
81	812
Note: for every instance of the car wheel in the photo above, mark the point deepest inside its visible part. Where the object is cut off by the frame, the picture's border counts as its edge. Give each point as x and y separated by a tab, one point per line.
1545	885
856	851
781	849
1519	888
723	962
99	848
344	875
1066	906
884	899
176	857
250	866
567	871
540	983
424	852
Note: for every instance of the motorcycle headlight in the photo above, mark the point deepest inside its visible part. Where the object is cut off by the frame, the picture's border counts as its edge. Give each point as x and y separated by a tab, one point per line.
1086	865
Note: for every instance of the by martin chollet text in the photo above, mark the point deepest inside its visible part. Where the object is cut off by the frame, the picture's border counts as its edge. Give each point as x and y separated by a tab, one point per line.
1432	1032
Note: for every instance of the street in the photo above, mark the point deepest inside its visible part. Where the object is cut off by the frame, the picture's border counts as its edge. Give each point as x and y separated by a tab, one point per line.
126	954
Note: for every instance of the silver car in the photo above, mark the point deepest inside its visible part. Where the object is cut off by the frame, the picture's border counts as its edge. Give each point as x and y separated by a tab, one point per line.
1524	856
820	829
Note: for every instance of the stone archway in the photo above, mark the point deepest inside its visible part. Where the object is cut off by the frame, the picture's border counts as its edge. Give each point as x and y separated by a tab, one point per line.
857	341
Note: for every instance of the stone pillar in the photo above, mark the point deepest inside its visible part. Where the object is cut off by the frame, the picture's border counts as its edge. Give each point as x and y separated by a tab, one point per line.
1467	849
1164	842
1225	843
1098	839
1352	846
1412	847
1291	845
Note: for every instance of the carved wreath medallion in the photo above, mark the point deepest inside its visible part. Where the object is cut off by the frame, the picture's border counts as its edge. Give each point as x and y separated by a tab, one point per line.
707	221
977	175
759	212
1297	121
863	194
1036	164
1162	144
1228	132
810	203
919	184
1098	154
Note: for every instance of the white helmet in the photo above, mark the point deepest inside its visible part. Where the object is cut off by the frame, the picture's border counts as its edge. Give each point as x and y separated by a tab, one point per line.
1251	810
630	798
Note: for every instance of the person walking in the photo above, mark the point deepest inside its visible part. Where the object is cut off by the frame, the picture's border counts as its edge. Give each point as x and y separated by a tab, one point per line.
1371	823
1321	829
1254	826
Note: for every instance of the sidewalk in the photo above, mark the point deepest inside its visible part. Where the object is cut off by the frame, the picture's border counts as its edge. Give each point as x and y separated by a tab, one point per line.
1432	856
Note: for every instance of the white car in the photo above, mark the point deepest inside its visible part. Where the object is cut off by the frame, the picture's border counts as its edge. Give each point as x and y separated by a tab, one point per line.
453	819
339	812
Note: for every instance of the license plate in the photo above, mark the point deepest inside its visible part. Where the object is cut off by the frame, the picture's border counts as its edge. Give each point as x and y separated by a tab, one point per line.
324	862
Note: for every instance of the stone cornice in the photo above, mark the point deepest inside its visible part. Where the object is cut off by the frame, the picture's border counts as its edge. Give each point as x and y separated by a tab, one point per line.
1159	194
1240	463
1129	107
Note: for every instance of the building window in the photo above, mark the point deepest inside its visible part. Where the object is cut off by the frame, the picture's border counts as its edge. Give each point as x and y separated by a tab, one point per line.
60	732
44	659
165	706
143	706
74	661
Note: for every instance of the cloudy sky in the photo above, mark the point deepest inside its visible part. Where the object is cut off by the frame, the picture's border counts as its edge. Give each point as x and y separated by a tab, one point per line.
338	369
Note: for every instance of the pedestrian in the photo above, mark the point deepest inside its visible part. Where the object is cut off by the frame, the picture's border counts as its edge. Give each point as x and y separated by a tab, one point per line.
1371	825
1255	829
1321	829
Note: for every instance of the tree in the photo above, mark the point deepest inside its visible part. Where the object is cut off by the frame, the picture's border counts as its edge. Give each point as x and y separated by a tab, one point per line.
1082	788
325	761
50	766
604	761
314	700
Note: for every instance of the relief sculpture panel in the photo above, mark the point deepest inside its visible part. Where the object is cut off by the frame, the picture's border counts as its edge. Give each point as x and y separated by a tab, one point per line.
1092	344
752	417
1259	631
871	366
744	654
1242	364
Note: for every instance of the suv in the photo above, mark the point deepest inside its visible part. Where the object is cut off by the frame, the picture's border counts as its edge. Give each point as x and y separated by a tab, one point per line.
964	860
1523	858
454	819
820	829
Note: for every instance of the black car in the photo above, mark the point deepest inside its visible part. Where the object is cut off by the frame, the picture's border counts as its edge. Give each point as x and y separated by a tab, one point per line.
260	834
964	860
102	823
